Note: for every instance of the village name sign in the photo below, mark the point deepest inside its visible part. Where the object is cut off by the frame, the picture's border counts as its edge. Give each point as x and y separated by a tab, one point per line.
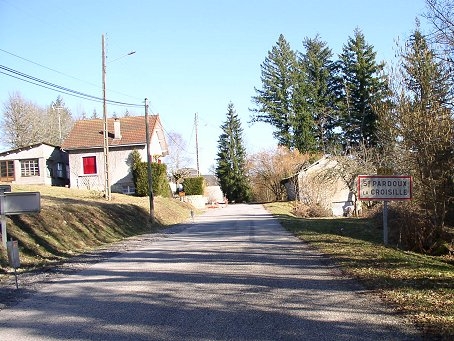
384	187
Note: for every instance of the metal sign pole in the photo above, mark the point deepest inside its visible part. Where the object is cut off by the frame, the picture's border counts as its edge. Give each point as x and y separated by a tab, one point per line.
3	216
385	222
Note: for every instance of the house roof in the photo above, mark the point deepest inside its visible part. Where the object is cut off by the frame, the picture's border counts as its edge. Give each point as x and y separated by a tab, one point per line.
89	133
31	146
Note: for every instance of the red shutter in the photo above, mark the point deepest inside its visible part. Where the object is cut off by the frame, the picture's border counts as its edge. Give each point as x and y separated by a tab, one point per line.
89	164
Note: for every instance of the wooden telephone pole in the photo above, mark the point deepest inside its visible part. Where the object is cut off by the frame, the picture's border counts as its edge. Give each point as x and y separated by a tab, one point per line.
197	142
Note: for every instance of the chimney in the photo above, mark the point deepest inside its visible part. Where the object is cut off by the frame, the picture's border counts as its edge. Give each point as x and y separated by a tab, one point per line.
117	131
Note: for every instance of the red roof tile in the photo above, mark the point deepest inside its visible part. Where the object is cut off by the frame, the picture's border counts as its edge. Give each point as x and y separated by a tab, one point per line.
89	133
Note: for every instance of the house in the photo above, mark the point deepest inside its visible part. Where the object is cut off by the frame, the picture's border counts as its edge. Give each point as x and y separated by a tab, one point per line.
85	147
37	164
317	184
213	191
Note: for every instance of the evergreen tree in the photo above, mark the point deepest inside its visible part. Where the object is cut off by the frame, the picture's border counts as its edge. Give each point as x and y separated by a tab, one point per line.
362	86
319	69
94	115
276	102
59	122
231	159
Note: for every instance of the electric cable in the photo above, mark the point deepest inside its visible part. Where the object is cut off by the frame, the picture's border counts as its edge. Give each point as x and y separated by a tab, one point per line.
58	88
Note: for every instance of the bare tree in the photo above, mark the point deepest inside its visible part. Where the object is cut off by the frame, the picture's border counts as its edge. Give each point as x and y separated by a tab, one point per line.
178	160
441	15
21	124
25	123
268	168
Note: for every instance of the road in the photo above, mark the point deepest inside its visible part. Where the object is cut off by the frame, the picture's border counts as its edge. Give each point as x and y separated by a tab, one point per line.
233	274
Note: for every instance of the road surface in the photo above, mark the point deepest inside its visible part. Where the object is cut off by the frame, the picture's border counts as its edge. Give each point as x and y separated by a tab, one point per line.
233	274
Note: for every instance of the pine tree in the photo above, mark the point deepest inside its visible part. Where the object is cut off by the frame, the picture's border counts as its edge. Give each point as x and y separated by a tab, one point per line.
275	102
59	122
319	69
231	159
362	86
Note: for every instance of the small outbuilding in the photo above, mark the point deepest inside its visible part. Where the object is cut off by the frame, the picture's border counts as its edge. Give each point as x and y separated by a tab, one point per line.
317	184
36	164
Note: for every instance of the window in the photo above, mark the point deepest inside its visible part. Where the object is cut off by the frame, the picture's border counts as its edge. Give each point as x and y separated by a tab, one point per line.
60	170
29	167
89	164
7	170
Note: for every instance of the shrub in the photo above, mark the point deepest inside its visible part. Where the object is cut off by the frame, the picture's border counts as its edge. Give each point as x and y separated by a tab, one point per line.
410	228
160	184
194	186
311	211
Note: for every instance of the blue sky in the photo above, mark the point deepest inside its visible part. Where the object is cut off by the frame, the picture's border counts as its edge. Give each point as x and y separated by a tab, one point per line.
191	56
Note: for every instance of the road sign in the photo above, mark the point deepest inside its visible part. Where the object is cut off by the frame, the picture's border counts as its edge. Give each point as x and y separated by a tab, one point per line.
21	202
384	187
17	203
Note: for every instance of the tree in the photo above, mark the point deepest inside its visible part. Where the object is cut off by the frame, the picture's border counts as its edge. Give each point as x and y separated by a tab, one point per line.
361	85
427	126
59	122
319	69
422	123
22	123
276	100
231	159
268	168
25	123
441	14
178	160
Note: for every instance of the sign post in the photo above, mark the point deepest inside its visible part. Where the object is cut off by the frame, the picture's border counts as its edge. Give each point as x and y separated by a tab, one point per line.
384	188
17	203
3	189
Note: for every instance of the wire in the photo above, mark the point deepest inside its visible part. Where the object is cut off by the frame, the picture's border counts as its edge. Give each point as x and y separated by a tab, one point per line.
64	74
51	86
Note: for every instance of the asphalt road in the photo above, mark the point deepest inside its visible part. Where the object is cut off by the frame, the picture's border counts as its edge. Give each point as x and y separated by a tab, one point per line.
233	274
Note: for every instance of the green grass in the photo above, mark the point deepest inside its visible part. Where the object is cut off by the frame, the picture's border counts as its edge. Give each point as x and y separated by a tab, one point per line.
419	286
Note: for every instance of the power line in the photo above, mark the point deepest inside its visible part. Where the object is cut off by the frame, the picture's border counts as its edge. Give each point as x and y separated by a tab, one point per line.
62	73
58	88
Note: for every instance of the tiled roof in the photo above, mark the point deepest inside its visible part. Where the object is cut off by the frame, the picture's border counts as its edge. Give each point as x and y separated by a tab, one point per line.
89	133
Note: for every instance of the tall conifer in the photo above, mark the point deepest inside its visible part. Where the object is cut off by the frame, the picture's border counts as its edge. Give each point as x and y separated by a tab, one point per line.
362	85
231	159
275	101
319	71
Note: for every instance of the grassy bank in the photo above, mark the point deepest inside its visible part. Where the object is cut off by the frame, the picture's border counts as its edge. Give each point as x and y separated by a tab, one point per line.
421	287
76	221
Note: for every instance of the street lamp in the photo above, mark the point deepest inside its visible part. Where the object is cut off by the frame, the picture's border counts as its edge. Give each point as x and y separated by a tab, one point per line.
104	116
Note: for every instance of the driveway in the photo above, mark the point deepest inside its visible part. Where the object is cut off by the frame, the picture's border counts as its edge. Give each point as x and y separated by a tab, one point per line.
233	274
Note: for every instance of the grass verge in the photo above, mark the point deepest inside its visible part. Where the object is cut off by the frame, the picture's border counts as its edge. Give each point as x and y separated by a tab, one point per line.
420	287
74	221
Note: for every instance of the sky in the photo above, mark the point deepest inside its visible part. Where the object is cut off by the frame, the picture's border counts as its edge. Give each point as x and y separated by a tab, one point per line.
191	57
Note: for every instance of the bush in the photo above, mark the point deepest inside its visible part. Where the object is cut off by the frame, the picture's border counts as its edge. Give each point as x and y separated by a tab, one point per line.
194	186
311	211
160	184
410	228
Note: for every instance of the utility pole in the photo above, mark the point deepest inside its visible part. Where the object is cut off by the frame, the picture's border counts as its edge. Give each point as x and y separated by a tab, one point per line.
105	131
58	108
149	175
197	143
